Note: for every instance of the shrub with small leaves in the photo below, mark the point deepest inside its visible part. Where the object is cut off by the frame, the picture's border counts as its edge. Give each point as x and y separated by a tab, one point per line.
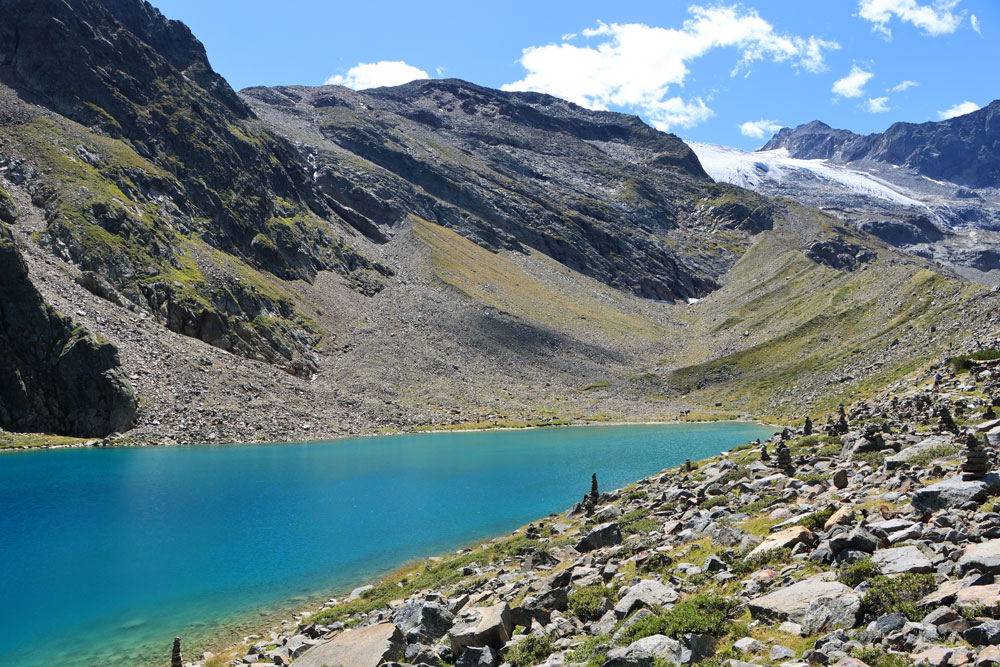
852	574
699	614
876	657
742	565
888	595
530	651
585	603
817	520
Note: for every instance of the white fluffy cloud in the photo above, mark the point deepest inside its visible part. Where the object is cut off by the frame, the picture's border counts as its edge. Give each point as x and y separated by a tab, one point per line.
758	129
633	65
974	21
374	75
936	18
877	105
958	110
904	85
852	85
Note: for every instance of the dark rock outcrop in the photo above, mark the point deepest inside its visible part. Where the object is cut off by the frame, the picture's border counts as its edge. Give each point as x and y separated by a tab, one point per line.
54	376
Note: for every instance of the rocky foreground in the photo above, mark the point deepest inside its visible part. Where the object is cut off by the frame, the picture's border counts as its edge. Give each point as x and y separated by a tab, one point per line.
869	540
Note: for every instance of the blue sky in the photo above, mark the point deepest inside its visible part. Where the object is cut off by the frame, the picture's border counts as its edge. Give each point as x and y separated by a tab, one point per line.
721	72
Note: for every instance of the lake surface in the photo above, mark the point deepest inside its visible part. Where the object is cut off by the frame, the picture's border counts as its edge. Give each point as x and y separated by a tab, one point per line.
107	554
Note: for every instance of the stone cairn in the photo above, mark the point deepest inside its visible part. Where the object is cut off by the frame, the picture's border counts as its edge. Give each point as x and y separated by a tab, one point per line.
976	460
175	659
842	424
687	465
990	413
808	428
594	493
764	456
946	421
784	458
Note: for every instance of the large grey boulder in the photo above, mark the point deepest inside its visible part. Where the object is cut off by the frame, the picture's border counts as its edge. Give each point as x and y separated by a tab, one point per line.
646	593
423	622
604	535
954	492
364	647
483	656
644	652
901	560
482	626
984	557
814	604
909	453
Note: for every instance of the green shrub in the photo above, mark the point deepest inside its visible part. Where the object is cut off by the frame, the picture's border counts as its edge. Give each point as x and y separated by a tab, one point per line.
591	652
638	494
888	595
876	657
817	520
530	651
761	504
713	501
852	574
964	362
585	603
637	521
699	614
742	565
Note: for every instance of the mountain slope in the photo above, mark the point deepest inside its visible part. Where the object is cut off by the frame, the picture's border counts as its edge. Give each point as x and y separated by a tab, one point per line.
600	192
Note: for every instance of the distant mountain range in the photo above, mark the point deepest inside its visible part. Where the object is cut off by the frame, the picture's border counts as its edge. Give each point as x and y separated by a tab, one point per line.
305	262
964	150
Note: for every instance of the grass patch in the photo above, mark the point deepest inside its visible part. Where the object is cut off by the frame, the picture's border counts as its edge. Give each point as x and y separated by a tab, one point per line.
876	657
637	521
965	362
33	440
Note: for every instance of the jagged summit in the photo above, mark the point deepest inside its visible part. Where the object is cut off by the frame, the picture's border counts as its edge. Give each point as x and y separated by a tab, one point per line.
964	150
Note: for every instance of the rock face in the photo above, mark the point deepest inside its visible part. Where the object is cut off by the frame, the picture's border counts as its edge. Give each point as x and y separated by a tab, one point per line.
645	652
953	492
175	160
54	376
963	150
901	560
984	557
600	192
365	647
815	605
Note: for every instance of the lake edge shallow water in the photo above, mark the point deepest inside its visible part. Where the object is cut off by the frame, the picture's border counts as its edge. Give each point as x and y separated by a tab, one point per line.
317	594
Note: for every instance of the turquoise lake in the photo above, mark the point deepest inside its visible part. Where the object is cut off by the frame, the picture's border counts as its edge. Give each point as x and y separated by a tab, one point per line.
107	554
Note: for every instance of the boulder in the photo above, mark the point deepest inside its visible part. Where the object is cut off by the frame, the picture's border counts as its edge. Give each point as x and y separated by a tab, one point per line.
644	652
786	538
954	492
482	626
423	621
364	647
480	656
604	535
984	556
814	604
646	593
901	560
842	517
909	453
983	634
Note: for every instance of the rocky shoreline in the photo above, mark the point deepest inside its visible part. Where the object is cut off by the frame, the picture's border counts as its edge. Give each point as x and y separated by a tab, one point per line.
869	540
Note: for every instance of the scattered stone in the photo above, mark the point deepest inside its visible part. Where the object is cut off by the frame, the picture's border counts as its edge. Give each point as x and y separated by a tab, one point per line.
786	538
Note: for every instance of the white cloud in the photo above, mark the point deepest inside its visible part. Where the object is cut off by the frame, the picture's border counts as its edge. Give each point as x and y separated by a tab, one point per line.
958	110
633	65
974	20
374	75
935	18
852	85
877	105
757	129
903	85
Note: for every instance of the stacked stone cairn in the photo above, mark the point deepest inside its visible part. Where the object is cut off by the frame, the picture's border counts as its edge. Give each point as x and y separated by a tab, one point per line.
808	428
946	421
784	458
175	659
764	456
976	459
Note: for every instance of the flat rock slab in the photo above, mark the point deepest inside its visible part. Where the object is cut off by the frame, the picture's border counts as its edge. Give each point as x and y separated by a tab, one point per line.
984	557
906	455
646	593
901	560
482	626
643	652
814	604
786	538
954	492
948	591
978	596
365	647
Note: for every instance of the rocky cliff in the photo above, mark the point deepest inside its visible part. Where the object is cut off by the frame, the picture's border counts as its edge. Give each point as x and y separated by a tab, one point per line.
964	150
602	193
54	375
